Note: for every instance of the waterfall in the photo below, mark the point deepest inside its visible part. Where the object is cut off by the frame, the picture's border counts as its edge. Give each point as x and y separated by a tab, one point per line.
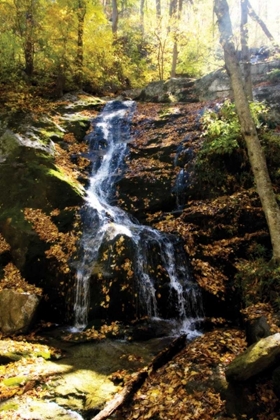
108	147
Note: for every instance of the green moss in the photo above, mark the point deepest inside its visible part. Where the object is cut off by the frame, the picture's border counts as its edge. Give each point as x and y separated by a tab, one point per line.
51	135
63	176
274	75
9	406
15	381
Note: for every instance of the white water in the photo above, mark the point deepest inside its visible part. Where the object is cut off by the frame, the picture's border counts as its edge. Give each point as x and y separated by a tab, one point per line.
108	148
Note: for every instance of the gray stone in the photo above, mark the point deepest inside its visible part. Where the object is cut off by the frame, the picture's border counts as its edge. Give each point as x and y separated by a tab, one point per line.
213	85
177	89
17	311
8	143
255	359
216	85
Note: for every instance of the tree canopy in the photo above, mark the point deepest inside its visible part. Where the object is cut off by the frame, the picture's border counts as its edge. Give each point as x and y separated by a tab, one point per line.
105	46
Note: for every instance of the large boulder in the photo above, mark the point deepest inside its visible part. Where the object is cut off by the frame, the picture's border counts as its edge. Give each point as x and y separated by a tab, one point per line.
177	89
17	311
216	84
257	358
40	194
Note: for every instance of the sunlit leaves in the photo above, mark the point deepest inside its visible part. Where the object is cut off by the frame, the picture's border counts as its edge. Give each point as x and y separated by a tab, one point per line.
4	246
92	334
13	280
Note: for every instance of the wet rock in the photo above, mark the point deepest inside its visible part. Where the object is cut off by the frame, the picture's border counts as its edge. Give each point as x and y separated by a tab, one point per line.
257	329
17	311
37	409
256	359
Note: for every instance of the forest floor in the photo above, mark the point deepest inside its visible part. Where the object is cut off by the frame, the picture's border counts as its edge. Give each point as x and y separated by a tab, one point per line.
192	385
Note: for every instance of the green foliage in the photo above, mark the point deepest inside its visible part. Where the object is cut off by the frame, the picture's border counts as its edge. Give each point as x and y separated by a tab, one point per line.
221	129
274	75
222	154
47	45
271	146
196	55
259	280
222	165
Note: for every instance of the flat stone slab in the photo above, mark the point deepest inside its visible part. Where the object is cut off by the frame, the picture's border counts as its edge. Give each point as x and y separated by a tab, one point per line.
44	410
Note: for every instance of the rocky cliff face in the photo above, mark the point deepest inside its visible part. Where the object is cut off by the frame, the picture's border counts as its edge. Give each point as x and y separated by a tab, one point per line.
44	168
217	221
41	190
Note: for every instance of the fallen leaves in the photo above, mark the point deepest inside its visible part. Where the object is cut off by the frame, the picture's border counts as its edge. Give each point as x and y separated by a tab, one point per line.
63	244
24	371
4	246
183	389
209	278
13	280
262	309
92	334
42	224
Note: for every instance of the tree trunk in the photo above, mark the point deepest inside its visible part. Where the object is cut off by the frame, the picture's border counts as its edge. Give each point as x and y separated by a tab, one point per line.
174	59
81	13
29	41
25	24
142	5
257	19
248	129
172	7
245	53
175	9
115	17
158	8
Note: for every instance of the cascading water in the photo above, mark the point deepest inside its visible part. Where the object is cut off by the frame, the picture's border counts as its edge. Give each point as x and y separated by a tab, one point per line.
102	220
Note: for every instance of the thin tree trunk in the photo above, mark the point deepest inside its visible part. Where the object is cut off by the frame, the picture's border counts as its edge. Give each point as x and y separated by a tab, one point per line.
245	53
29	49
248	129
115	17
175	9
29	41
257	19
158	8
172	7
81	13
174	59
142	15
25	27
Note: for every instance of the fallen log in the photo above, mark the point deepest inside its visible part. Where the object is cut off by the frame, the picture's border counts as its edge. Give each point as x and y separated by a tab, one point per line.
167	354
129	389
139	378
